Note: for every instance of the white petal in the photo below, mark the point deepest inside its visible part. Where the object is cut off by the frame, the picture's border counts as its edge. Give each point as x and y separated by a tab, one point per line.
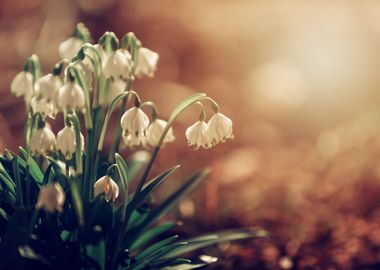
70	47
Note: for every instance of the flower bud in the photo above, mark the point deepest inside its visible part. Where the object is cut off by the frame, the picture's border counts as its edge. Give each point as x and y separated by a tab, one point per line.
70	47
155	130
219	128
66	142
146	62
51	198
71	97
134	123
42	142
196	135
107	186
117	65
22	85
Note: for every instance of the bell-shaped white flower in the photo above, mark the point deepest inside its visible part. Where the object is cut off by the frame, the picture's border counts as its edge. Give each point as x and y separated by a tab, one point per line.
66	142
44	106
219	128
70	47
71	97
146	62
47	87
107	186
22	85
116	87
155	130
196	135
42	142
134	123
117	65
51	198
102	54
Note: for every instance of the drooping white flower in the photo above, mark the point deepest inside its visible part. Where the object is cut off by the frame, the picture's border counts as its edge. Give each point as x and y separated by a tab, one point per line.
117	65
219	128
66	142
70	47
196	135
51	198
134	123
146	62
116	87
42	142
155	130
44	107
22	85
107	186
71	97
47	87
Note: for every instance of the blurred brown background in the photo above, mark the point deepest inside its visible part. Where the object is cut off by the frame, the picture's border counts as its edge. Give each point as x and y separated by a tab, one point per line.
300	81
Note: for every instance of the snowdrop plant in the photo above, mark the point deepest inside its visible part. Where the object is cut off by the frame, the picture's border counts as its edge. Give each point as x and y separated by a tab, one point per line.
65	202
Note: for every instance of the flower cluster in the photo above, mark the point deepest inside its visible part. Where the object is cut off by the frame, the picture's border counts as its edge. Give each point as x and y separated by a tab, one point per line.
92	78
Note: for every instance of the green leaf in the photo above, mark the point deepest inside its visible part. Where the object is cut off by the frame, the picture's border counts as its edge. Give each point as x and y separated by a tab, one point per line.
166	205
218	237
4	214
8	183
156	246
136	162
98	253
123	172
34	169
16	175
151	234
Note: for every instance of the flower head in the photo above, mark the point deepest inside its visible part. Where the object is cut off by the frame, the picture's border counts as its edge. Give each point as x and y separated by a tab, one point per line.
196	135
51	198
146	62
70	47
107	186
66	142
116	87
42	142
219	128
47	87
117	65
22	85
155	130
71	97
44	107
134	123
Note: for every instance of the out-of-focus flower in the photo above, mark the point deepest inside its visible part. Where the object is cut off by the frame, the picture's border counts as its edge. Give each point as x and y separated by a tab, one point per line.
196	135
116	87
102	54
70	47
219	128
42	142
107	186
155	130
134	123
44	107
146	62
51	198
22	85
47	87
117	65
71	97
66	142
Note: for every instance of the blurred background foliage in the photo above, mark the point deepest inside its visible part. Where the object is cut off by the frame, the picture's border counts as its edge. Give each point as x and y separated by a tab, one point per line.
300	80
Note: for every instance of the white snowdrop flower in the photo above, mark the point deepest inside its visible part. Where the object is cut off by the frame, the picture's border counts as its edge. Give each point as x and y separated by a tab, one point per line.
117	65
70	47
219	128
116	87
47	87
134	123
196	135
102	54
107	186
132	141
71	97
146	62
42	142
155	130
22	85
51	198
66	142
44	106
